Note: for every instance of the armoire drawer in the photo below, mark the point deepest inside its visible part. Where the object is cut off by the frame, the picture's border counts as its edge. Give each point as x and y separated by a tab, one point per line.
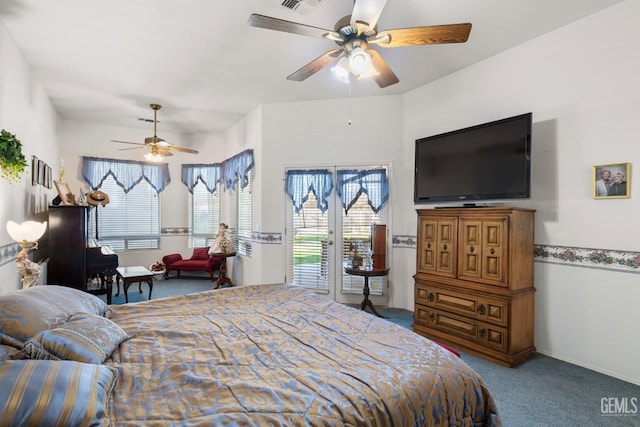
486	334
478	307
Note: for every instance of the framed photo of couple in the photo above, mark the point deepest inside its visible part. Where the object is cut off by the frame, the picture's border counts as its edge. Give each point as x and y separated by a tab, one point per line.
612	181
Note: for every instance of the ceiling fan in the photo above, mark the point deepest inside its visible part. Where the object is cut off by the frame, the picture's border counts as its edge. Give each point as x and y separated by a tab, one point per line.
158	147
354	33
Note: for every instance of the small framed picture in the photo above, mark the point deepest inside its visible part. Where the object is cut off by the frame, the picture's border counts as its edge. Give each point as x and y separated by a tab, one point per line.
612	181
34	170
47	177
41	165
65	193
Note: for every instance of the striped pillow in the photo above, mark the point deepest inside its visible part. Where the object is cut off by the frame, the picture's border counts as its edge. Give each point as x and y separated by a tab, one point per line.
85	337
25	312
50	393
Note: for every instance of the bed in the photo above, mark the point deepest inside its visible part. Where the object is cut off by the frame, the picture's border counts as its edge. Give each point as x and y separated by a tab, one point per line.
274	355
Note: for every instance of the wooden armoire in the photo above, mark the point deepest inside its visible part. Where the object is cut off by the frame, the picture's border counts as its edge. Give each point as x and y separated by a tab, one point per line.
474	281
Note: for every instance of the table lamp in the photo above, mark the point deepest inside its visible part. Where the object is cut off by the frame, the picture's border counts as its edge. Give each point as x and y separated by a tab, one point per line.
27	235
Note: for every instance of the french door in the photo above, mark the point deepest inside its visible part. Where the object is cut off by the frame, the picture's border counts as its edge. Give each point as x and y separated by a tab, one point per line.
319	244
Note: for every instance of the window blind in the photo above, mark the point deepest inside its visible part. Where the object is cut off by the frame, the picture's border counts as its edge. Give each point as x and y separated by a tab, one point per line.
356	230
204	215
244	216
131	220
308	239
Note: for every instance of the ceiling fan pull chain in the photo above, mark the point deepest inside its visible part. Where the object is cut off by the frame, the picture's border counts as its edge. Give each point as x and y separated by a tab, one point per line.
349	121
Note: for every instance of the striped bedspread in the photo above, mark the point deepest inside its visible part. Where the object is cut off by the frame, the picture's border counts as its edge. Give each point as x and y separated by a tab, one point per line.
279	355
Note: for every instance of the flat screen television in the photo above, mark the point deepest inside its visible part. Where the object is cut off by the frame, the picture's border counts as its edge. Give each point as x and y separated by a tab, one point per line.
490	161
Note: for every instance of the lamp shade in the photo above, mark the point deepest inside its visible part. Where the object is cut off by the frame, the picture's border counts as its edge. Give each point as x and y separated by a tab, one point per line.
359	61
154	157
28	231
341	70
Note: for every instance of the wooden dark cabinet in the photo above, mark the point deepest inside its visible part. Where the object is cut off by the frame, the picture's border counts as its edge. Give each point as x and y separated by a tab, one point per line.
67	244
474	281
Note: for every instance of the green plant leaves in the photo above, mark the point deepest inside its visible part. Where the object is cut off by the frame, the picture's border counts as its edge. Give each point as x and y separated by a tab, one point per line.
12	161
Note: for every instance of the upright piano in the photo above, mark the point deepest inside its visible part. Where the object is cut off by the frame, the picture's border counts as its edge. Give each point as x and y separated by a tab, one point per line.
75	259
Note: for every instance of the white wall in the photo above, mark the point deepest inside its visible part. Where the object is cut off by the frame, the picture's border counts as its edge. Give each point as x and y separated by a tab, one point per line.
581	83
25	110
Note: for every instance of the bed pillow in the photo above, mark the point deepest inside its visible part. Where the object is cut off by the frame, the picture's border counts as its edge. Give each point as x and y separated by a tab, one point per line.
200	253
7	352
26	312
86	337
49	393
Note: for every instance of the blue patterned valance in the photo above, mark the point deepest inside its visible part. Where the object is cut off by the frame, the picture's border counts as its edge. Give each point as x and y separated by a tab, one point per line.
126	173
208	174
352	183
237	168
300	182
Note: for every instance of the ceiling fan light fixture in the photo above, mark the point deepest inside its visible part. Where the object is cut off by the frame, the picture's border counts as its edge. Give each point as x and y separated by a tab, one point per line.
341	70
369	72
359	61
154	157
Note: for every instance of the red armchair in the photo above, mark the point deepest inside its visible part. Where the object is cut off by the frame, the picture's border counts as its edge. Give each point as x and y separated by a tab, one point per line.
199	261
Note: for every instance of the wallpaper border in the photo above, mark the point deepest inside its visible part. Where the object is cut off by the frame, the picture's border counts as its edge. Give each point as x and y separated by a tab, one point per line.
607	259
626	261
8	253
266	238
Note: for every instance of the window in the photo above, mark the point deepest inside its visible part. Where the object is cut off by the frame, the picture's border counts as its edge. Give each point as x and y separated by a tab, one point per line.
356	230
242	216
204	215
308	234
130	220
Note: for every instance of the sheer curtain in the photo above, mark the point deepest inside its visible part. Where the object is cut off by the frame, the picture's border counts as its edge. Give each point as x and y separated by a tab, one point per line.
237	169
317	181
351	183
209	174
126	173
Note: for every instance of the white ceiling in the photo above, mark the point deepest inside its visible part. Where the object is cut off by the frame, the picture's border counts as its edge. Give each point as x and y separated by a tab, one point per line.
107	61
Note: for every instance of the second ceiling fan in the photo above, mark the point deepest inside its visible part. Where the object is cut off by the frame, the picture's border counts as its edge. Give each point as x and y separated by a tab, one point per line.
158	147
354	33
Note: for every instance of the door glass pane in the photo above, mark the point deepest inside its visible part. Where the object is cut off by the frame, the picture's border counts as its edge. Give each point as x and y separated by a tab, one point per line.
356	231
309	242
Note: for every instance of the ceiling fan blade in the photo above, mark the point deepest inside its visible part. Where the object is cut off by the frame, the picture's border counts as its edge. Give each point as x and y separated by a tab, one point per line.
316	65
127	142
153	140
269	23
164	152
386	76
365	14
132	148
180	149
437	34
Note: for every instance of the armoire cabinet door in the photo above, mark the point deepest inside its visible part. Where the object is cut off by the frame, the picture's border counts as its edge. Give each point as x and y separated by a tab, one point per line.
483	248
437	246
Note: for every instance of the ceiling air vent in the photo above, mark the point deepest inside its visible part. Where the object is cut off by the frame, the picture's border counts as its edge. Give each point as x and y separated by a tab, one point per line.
294	4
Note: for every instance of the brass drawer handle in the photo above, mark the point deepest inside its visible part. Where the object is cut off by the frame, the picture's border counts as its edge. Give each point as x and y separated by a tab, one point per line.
481	309
492	251
431	297
432	317
483	332
428	245
472	249
444	247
